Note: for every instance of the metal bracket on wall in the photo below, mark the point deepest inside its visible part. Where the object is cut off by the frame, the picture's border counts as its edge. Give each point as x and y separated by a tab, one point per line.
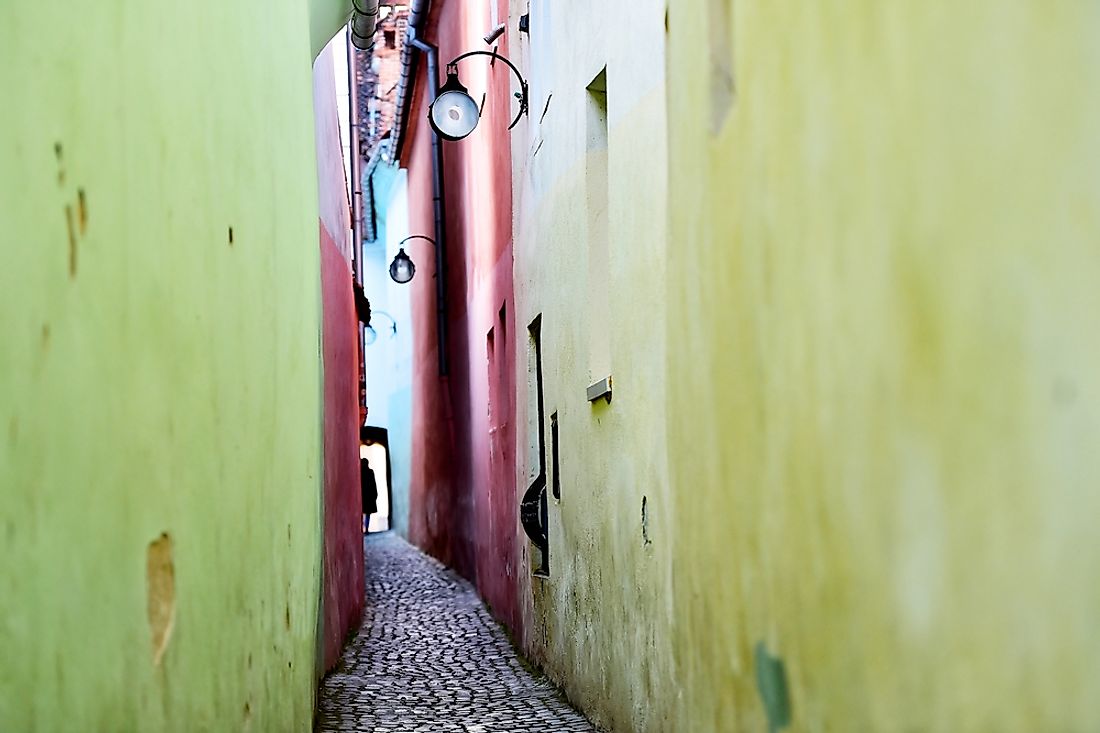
599	389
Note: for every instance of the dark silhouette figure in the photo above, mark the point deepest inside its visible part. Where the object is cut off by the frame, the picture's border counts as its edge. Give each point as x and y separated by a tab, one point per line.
369	487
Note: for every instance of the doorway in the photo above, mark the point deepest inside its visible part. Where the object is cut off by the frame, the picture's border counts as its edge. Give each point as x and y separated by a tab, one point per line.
374	445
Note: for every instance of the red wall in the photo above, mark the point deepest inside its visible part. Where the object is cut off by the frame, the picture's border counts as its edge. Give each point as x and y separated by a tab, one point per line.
342	602
463	494
343	555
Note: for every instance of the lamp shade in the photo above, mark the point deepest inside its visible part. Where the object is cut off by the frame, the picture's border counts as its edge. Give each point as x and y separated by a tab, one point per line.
454	113
402	268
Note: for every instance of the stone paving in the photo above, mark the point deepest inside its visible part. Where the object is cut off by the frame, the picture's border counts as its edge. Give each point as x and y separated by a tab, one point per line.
429	658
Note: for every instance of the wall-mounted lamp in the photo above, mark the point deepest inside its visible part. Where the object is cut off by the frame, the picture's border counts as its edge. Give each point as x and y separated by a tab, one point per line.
454	114
402	268
372	335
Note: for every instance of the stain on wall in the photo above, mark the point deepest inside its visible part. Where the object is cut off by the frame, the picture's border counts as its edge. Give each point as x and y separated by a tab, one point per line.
160	589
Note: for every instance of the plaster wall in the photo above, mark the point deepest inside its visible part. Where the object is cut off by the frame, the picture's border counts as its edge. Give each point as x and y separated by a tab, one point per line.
342	575
463	500
883	398
160	464
591	249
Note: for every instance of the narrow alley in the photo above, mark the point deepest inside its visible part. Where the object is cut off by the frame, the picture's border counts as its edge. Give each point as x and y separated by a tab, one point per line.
546	366
428	658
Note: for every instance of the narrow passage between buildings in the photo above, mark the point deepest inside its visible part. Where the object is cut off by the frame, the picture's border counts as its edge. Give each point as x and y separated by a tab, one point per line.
428	658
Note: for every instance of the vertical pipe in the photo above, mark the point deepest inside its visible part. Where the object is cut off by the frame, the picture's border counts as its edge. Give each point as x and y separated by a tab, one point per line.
432	54
354	185
355	192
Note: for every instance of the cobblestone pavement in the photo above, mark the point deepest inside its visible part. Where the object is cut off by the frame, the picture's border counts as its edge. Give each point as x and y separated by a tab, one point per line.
429	659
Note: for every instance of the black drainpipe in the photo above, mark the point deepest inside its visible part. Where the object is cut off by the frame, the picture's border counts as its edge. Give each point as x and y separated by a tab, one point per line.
432	54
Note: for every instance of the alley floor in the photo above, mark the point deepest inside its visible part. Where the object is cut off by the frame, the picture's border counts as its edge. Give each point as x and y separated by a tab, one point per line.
428	658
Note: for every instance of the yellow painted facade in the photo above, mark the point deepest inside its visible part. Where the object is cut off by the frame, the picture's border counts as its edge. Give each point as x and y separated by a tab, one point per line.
883	329
590	253
860	285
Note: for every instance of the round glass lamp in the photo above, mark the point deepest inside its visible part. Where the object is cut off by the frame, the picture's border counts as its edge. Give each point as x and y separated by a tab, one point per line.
454	113
402	268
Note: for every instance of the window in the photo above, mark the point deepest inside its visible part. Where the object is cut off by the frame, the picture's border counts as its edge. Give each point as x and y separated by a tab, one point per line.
555	479
533	507
596	195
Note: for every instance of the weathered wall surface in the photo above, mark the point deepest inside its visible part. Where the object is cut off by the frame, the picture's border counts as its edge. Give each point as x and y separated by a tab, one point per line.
343	556
590	258
883	396
463	500
160	464
343	543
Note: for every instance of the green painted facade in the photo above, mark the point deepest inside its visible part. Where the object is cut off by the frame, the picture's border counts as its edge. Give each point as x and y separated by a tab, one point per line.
160	387
883	397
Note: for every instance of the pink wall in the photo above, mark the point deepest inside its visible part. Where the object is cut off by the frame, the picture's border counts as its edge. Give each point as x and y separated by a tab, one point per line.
343	550
343	556
463	495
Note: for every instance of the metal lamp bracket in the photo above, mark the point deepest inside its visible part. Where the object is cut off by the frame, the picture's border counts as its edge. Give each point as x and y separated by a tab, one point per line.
521	95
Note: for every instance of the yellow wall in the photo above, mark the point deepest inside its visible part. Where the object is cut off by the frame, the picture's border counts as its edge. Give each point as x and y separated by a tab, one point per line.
600	624
160	393
884	404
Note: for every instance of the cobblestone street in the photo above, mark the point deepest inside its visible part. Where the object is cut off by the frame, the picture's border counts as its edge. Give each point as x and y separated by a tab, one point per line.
428	658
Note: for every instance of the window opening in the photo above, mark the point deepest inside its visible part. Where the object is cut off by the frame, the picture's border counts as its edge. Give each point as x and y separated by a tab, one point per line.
555	481
597	201
533	508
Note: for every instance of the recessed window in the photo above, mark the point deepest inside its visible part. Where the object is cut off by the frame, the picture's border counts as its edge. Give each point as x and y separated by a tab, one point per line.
597	200
533	507
555	474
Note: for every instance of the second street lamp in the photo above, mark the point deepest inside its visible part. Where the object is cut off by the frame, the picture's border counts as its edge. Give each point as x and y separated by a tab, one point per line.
402	268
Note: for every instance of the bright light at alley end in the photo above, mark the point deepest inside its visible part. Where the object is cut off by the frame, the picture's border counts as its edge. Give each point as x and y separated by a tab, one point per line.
402	268
454	113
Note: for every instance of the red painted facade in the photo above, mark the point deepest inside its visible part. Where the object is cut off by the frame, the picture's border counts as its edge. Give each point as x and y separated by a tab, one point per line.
463	493
342	601
343	557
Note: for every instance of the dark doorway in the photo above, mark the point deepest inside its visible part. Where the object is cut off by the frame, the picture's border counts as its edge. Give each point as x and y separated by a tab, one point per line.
374	445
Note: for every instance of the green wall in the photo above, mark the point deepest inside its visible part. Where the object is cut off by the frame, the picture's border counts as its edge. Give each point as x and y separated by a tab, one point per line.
160	393
884	402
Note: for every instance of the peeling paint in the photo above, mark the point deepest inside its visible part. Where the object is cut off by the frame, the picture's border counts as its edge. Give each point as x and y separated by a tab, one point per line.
160	588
